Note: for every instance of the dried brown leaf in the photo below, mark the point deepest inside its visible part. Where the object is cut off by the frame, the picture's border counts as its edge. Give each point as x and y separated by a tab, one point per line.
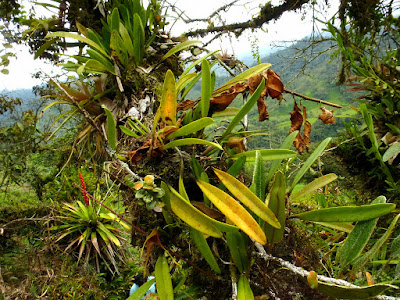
262	110
327	116
296	119
212	213
186	105
220	102
274	84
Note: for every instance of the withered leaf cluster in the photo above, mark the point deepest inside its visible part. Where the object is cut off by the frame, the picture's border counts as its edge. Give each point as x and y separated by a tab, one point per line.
327	116
273	88
298	120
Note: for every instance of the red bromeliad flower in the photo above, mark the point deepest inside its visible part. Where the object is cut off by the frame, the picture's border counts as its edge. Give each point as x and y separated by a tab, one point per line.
84	192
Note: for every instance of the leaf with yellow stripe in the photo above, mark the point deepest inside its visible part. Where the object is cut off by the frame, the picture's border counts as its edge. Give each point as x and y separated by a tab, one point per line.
168	103
247	197
233	211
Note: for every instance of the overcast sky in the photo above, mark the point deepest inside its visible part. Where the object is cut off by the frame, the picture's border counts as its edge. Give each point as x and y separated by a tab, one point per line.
292	26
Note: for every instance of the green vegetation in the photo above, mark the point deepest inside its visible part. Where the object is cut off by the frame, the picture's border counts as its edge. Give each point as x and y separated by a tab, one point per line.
143	172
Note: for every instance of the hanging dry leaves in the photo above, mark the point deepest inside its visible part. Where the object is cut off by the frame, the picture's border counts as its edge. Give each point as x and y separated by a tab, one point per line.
222	101
327	116
274	84
302	141
186	105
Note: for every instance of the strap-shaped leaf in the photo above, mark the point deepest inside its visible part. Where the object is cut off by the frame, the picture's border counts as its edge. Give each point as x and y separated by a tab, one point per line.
233	211
191	215
308	163
244	110
111	128
192	127
238	244
277	203
79	38
201	244
205	88
196	62
191	141
163	279
314	185
139	41
244	291
358	237
247	197
346	292
183	81
347	213
180	47
168	103
142	290
258	183
267	154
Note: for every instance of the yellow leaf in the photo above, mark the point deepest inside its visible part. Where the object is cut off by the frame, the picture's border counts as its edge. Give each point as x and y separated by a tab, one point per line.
168	103
247	197
234	211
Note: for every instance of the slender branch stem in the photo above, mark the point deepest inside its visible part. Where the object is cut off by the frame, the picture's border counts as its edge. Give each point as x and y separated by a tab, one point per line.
312	99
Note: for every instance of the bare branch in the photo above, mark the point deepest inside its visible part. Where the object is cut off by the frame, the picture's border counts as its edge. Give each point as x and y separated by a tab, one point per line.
267	13
313	99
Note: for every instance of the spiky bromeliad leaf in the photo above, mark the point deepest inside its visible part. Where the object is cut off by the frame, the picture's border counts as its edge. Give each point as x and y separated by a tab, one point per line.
233	211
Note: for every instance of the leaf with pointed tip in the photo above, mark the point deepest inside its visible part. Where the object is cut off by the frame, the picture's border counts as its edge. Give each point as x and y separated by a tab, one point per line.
258	183
314	185
308	163
277	205
244	291
183	81
347	213
163	279
238	244
233	211
142	290
191	215
267	154
180	47
111	128
196	62
192	127
247	197
190	141
205	88
201	244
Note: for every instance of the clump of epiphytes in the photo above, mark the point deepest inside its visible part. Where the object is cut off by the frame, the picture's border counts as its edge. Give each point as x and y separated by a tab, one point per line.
147	193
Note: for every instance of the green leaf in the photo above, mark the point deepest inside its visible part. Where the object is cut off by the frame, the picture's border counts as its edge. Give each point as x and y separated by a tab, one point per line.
111	129
395	248
346	292
196	62
190	141
266	154
192	127
347	213
238	245
244	291
93	66
201	244
139	34
391	151
79	38
358	238
276	202
242	77
258	183
191	215
393	128
205	88
163	279
313	186
233	211
183	81
180	47
127	131
237	166
360	262
244	110
103	60
227	112
142	290
126	39
246	196
308	163
342	226
44	47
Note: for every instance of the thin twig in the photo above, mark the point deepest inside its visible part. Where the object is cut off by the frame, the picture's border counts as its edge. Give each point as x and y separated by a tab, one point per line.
312	99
